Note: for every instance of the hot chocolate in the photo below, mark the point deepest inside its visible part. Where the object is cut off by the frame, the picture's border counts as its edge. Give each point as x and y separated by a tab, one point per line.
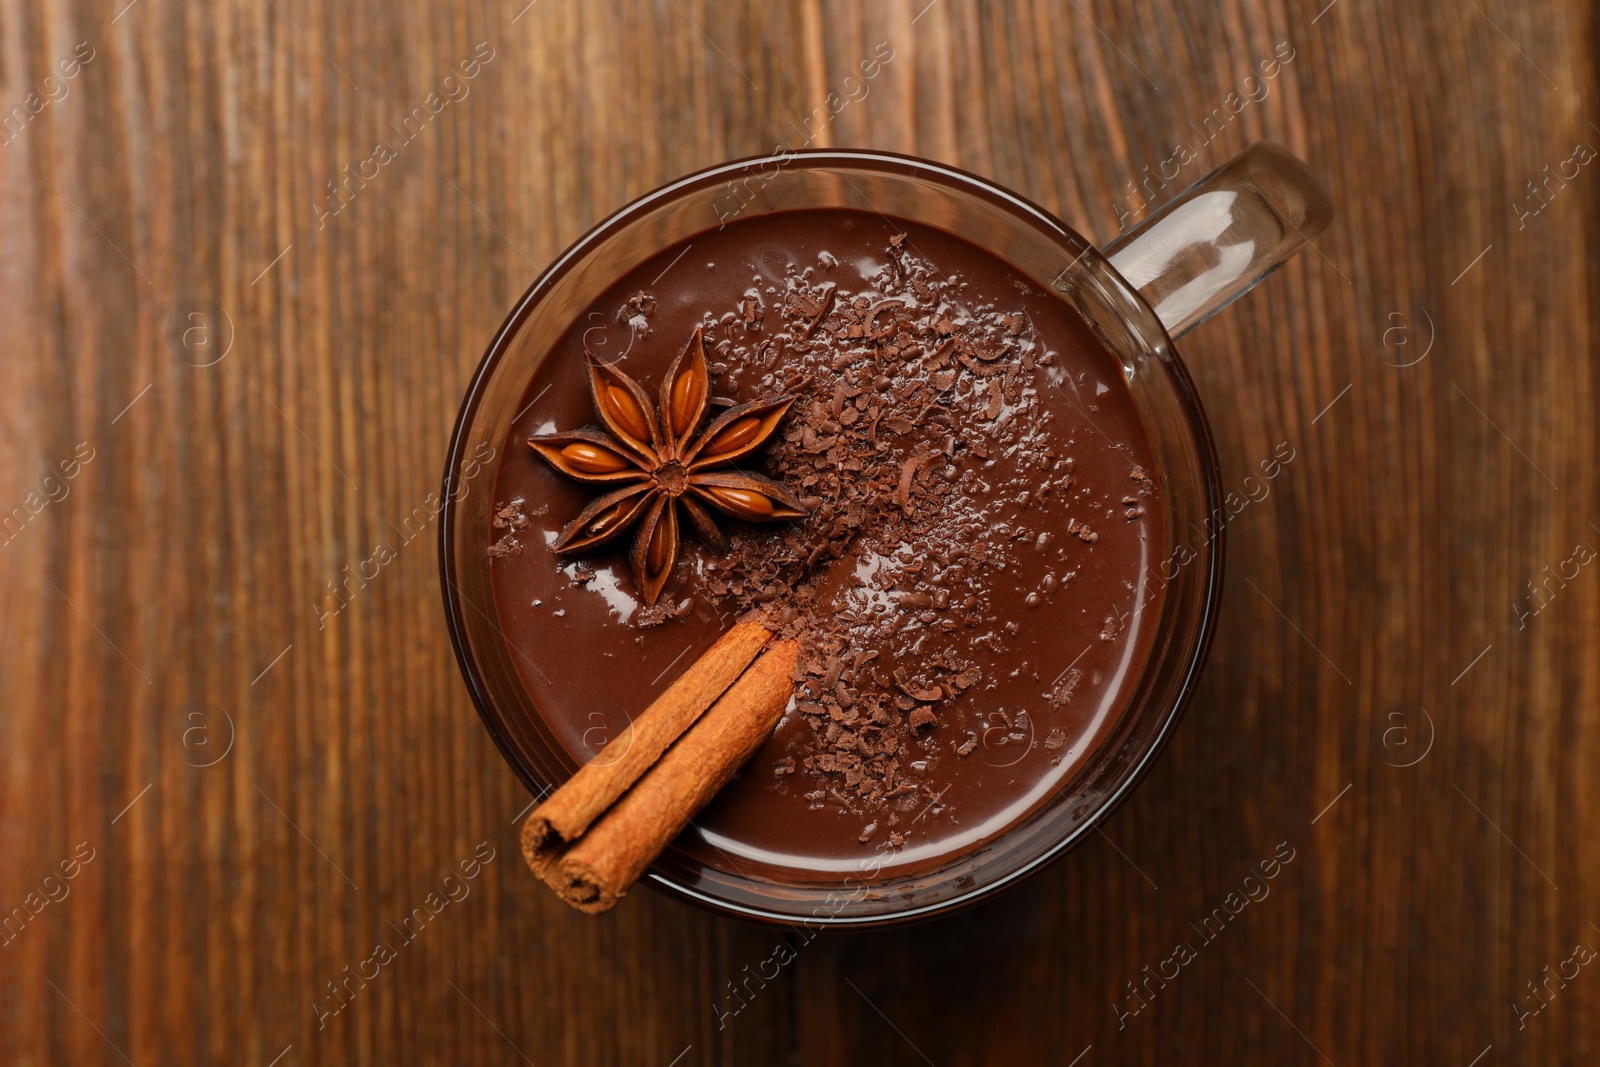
969	525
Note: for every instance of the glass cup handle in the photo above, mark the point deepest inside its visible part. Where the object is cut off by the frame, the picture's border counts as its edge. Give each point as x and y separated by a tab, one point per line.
1219	237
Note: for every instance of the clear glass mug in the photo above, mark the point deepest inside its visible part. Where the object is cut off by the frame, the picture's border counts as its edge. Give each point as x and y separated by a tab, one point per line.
1175	269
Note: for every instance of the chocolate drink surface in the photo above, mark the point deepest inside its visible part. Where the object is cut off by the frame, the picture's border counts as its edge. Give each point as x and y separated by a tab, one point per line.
972	583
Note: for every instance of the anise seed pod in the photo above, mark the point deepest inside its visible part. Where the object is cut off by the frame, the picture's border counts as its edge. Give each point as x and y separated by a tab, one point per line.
621	407
655	549
733	437
588	456
729	437
684	393
743	503
743	495
625	409
604	519
705	527
592	460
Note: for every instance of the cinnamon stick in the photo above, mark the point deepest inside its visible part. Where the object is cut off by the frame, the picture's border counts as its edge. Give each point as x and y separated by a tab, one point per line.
568	812
594	873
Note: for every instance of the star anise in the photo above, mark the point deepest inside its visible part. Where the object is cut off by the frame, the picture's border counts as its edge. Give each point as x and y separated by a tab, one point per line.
664	457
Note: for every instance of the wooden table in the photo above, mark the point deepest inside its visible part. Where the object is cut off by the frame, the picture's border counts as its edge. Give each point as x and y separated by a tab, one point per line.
251	381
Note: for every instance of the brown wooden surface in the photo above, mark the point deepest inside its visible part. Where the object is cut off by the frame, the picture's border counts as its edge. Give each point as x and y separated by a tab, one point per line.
185	171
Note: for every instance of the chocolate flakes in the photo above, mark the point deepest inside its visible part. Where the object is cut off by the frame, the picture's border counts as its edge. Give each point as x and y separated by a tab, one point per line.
508	518
904	395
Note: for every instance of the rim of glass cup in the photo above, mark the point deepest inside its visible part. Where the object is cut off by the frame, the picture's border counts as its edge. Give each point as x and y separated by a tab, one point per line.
1093	265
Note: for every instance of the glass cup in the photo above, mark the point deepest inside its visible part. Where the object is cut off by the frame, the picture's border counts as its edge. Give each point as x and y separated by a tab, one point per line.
1153	283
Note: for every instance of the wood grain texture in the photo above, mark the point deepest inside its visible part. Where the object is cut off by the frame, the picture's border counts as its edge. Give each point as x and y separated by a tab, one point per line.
1373	609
